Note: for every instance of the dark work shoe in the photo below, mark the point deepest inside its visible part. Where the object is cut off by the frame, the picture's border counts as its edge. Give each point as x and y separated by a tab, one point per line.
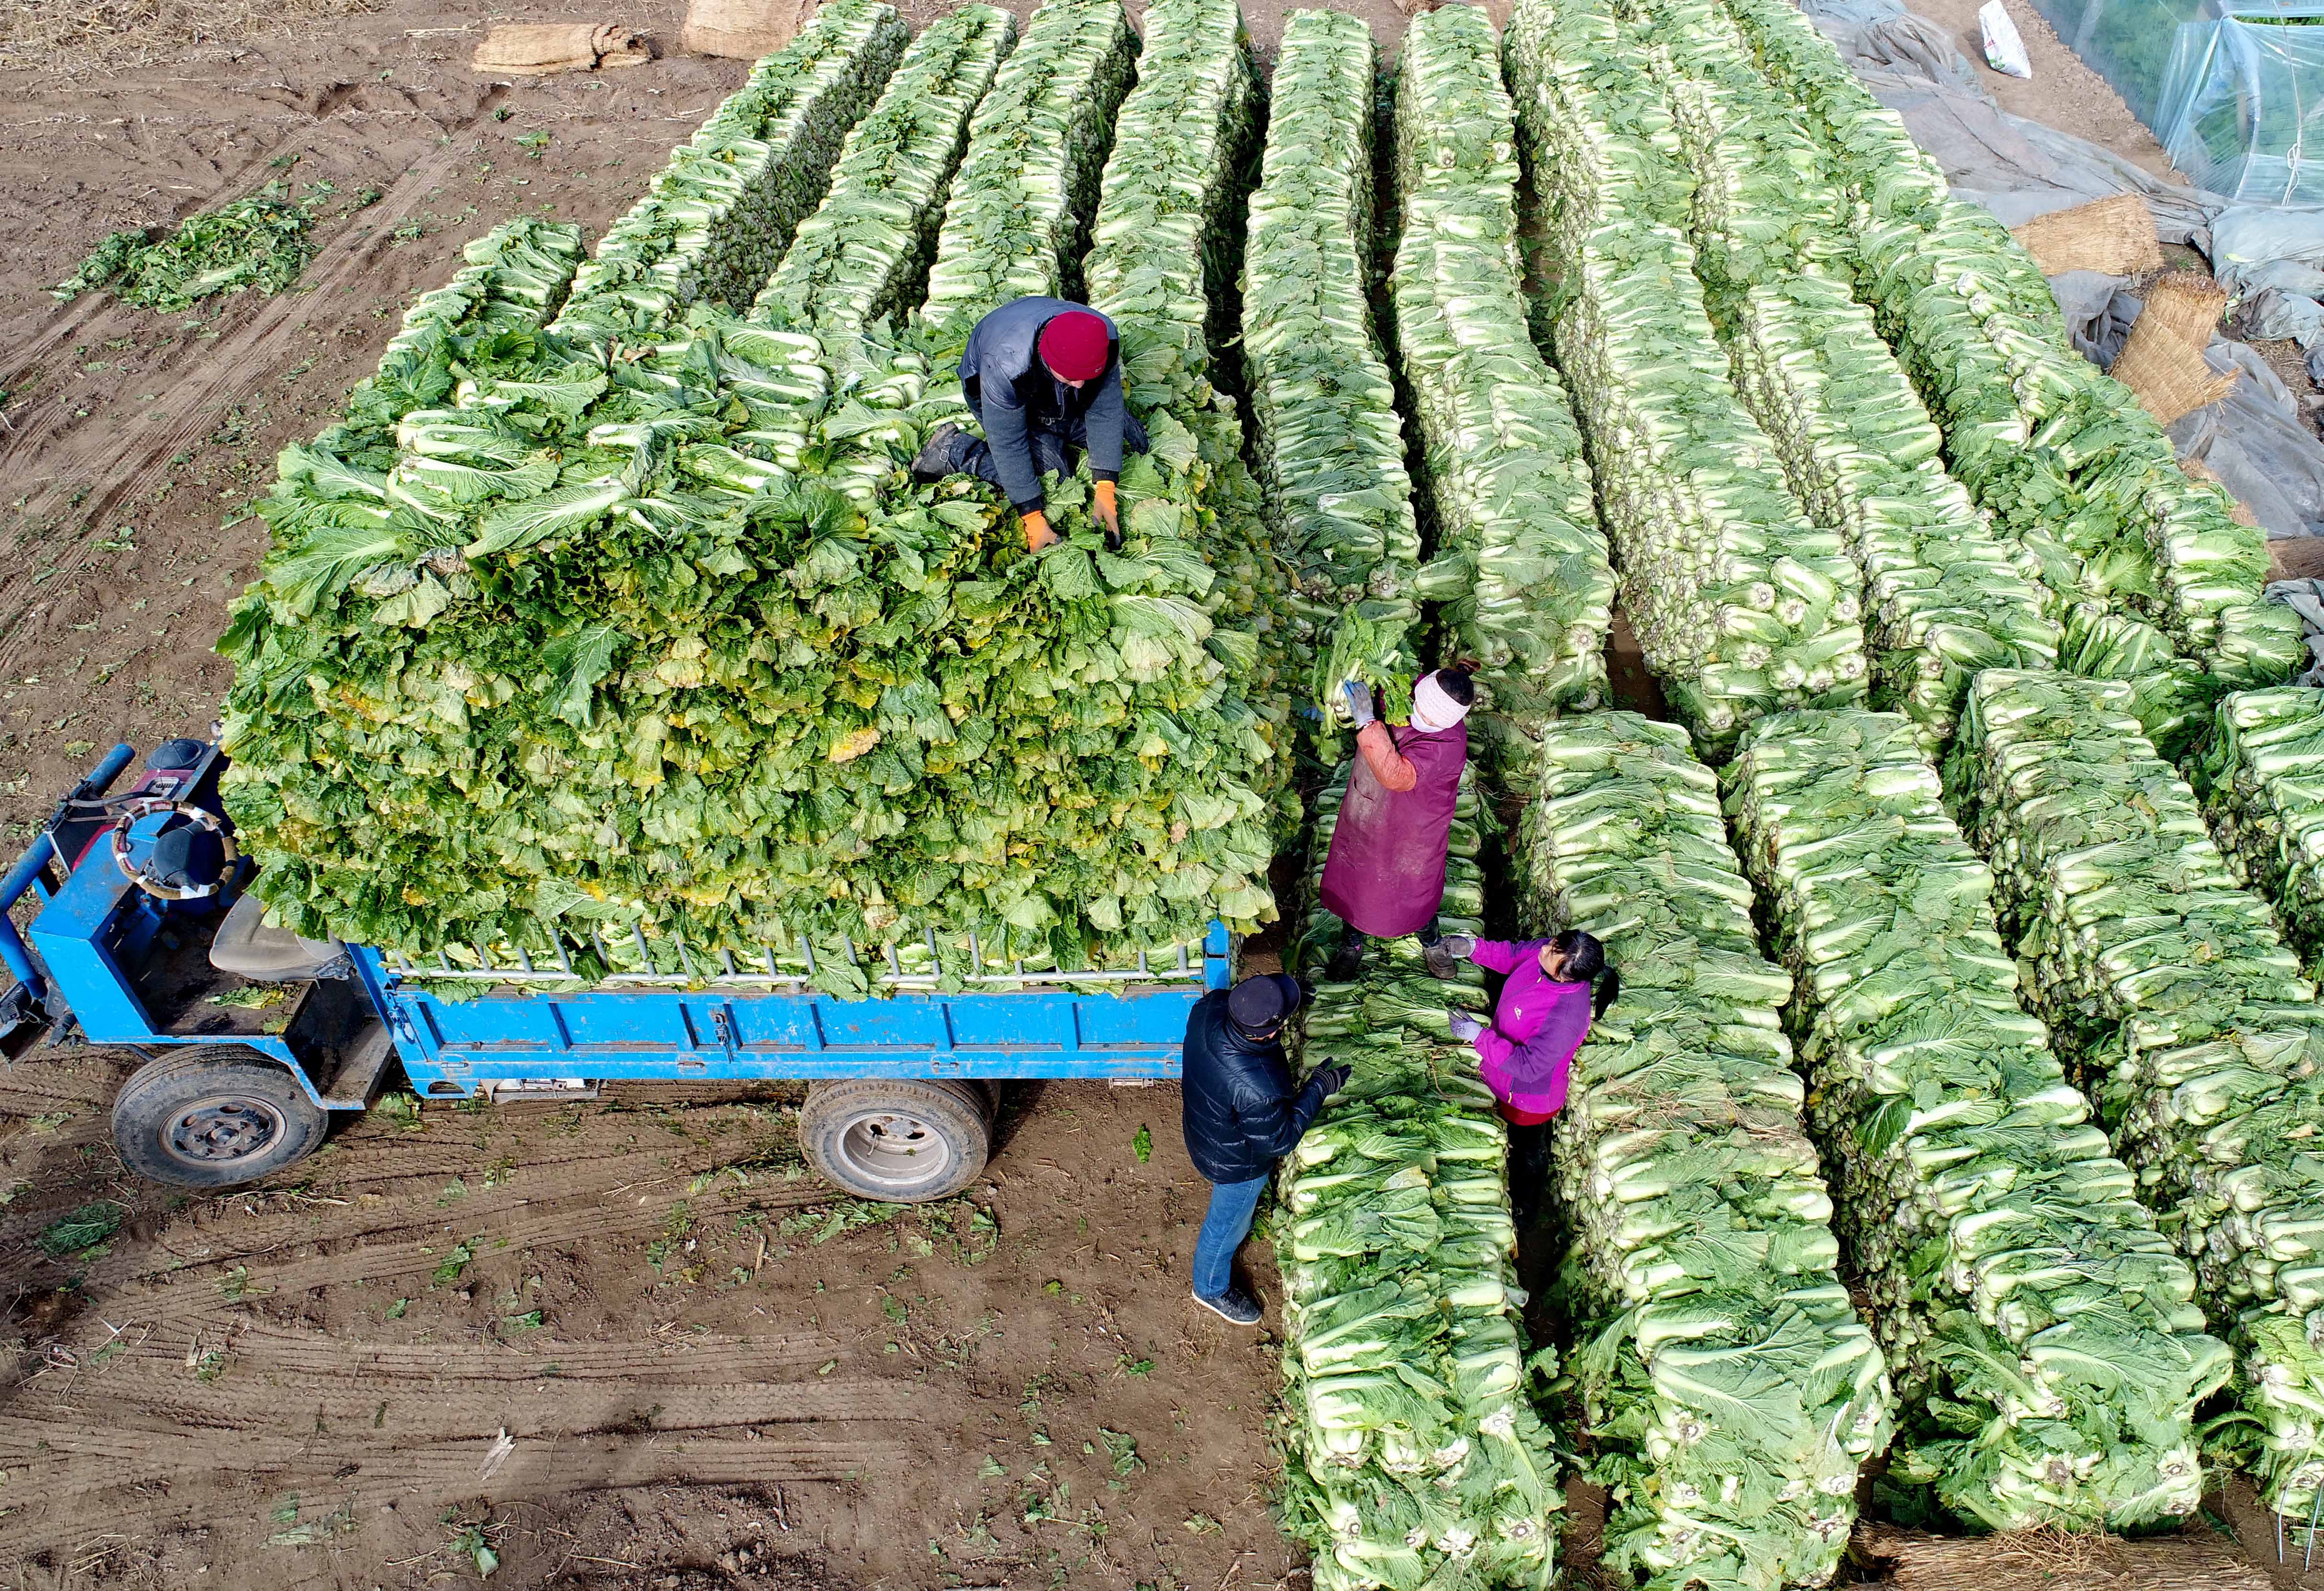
933	461
1234	1306
1345	964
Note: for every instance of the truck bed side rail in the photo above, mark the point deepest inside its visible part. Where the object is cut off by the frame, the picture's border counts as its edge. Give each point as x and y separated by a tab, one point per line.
1203	965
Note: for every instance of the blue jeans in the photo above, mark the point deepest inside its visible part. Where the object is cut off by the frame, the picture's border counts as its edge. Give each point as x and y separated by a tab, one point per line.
1232	1204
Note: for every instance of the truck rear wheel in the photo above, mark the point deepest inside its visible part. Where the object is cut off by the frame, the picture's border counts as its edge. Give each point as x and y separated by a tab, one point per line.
899	1140
202	1119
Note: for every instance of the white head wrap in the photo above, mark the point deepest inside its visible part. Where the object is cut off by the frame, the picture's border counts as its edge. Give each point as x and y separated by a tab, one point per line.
1433	709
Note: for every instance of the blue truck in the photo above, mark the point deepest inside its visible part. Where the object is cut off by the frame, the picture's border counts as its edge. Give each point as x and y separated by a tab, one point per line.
143	935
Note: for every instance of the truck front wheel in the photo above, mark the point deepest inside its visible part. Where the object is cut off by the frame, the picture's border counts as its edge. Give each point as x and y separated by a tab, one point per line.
900	1140
202	1119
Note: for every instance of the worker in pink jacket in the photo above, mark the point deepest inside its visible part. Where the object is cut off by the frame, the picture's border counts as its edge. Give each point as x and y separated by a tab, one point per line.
1554	987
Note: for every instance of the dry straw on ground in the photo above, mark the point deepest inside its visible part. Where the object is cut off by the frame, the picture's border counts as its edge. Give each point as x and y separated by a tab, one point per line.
2056	1560
2113	234
79	39
2162	360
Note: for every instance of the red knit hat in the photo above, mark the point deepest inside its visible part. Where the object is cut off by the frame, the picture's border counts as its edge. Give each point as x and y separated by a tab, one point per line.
1073	344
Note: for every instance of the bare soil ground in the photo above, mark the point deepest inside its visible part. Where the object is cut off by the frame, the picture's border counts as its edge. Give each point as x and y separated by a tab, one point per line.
628	1343
616	1340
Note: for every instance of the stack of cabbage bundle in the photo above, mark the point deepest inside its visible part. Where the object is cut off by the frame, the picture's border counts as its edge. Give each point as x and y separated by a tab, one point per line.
1520	557
2262	781
640	694
2172	696
1740	606
1945	598
2196	1033
1722	1374
334	498
515	278
865	253
2040	1330
1165	252
2064	456
1412	1455
717	217
1021	206
1330	447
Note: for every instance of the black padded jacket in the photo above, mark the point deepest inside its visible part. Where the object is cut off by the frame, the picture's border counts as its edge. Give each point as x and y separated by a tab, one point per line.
1243	1109
1012	392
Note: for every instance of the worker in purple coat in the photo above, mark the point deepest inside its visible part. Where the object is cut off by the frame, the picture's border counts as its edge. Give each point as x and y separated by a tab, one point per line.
1385	876
1552	989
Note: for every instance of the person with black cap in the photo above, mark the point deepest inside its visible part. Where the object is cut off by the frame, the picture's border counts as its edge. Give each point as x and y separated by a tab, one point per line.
1043	376
1243	1113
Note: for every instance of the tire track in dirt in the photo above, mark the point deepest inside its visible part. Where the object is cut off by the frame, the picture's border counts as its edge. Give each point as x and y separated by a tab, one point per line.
129	1476
36	1087
274	1386
402	1179
304	1358
178	137
401	1156
417	1244
183	1392
465	1409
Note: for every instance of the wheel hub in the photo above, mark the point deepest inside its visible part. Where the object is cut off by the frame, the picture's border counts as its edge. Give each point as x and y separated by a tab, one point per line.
231	1128
896	1149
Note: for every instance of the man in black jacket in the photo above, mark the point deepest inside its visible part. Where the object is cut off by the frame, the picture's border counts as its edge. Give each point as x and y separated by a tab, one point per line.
1243	1113
1045	378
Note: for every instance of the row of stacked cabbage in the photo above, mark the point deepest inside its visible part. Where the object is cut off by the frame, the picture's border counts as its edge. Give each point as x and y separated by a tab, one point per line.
2166	985
1519	555
1720	1370
1327	434
2047	1348
1414	1455
1740	606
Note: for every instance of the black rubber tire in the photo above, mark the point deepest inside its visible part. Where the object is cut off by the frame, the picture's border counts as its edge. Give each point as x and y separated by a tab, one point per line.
209	1119
897	1140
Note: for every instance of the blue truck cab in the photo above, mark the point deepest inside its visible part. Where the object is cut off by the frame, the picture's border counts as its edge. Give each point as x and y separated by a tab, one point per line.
144	935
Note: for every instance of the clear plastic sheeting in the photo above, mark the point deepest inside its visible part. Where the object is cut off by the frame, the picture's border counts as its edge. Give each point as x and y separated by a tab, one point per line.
2128	42
2241	95
2232	89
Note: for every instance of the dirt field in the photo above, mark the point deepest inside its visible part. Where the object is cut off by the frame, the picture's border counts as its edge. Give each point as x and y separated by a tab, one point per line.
622	1343
623	1339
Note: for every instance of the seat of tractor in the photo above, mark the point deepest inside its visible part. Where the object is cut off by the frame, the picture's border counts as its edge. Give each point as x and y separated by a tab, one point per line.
247	948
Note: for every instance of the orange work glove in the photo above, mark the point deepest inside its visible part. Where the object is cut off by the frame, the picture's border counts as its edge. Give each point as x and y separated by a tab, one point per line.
1108	510
1038	534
